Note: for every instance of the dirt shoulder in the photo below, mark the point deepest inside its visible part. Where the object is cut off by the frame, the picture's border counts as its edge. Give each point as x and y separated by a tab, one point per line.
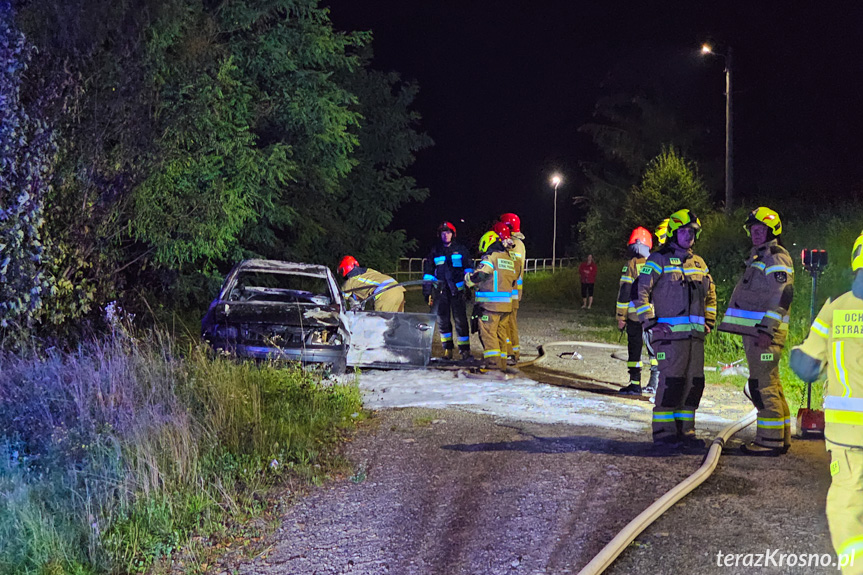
490	485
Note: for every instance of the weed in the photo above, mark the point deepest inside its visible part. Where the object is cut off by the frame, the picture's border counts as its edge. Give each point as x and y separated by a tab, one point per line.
115	455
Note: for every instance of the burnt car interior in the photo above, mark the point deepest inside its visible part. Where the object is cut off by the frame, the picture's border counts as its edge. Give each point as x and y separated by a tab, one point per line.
280	288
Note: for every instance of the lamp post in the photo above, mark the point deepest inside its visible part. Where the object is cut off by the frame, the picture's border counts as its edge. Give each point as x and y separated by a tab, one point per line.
555	181
729	153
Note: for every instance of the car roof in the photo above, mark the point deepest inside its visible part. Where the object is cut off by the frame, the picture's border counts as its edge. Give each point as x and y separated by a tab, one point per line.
279	266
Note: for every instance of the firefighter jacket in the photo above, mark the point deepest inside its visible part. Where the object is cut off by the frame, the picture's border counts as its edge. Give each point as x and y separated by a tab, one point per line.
520	254
627	294
447	264
836	341
682	291
365	282
761	298
495	279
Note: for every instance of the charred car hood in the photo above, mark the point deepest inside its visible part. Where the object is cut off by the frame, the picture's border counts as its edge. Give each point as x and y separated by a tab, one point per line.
277	313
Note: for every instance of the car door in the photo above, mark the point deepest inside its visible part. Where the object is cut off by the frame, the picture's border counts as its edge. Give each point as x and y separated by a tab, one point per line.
390	339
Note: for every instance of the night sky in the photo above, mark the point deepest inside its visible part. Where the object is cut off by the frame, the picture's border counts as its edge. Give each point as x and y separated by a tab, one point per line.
504	86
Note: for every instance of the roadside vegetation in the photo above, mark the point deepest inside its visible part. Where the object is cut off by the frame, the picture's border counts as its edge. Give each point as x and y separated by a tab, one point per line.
116	454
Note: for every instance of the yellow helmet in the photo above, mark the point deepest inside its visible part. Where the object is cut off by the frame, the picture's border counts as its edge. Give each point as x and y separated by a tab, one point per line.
662	231
683	218
764	216
857	254
486	240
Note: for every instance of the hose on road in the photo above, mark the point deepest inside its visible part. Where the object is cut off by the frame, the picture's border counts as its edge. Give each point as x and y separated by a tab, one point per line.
543	355
627	535
615	547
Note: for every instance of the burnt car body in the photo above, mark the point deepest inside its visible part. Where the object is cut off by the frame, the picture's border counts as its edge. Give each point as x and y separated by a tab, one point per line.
269	309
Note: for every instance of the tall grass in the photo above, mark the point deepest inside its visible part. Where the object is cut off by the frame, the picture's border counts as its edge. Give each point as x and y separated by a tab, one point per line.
113	456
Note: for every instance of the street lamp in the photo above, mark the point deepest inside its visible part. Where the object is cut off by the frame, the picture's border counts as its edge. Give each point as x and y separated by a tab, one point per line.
729	155
555	181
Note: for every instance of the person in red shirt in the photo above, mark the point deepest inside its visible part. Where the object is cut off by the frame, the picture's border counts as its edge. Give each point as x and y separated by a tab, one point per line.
587	271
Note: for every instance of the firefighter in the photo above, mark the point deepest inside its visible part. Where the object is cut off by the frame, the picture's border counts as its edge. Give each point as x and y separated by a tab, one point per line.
518	252
495	278
835	346
758	310
679	285
640	243
361	283
447	262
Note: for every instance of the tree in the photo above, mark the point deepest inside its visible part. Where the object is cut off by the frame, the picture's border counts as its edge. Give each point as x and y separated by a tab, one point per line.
627	131
669	183
193	134
27	154
377	186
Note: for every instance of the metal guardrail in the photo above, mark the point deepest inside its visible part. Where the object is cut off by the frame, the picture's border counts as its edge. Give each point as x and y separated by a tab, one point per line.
412	268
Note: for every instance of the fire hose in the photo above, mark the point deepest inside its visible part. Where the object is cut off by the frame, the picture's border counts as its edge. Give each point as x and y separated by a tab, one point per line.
627	535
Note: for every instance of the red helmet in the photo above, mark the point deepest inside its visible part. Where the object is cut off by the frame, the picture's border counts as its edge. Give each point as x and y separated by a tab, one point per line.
512	221
446	226
347	264
642	235
502	230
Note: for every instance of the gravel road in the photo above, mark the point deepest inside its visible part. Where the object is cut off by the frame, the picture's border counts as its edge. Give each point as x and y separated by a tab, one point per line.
467	490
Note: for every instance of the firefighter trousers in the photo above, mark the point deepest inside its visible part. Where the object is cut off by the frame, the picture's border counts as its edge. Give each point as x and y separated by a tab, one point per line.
774	417
493	334
681	384
634	343
512	346
845	506
453	304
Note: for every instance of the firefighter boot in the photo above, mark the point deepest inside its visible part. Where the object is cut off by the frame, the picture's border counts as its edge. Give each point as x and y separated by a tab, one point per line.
465	354
447	354
634	388
753	448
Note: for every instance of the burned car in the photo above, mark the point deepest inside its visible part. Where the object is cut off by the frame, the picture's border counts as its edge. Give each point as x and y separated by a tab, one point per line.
268	309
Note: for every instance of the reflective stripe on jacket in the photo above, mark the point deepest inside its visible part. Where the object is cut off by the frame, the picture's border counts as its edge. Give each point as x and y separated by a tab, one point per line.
447	264
497	275
371	282
762	298
836	340
628	291
678	284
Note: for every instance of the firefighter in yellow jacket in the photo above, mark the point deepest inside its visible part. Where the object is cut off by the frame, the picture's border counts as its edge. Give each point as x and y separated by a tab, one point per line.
518	252
678	284
835	346
495	278
758	310
360	283
640	243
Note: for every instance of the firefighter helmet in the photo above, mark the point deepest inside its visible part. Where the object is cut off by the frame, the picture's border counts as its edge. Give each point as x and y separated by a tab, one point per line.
857	254
502	230
662	232
487	240
447	226
347	264
682	219
764	216
512	221
641	234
